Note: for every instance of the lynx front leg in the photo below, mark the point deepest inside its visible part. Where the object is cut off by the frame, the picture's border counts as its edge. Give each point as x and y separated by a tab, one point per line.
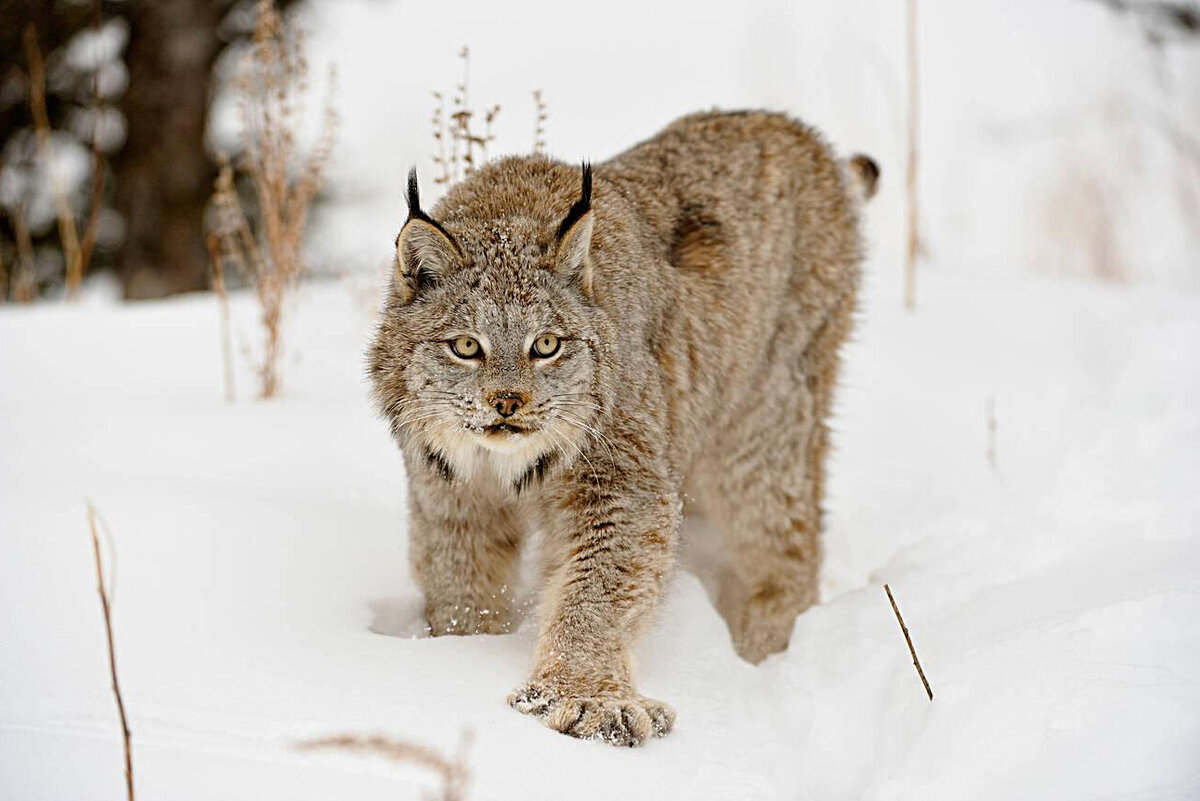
463	552
614	556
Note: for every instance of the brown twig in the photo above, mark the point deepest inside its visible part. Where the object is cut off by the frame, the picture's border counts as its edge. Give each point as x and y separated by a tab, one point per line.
96	197
914	237
218	284
112	657
23	288
67	231
453	772
908	639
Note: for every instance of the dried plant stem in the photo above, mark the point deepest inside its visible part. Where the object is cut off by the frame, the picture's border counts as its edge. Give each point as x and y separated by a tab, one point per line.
22	273
539	123
271	82
439	136
454	773
908	639
112	657
218	284
96	197
914	238
467	149
67	231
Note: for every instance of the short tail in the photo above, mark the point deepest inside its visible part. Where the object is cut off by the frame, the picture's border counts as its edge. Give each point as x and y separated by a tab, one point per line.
864	176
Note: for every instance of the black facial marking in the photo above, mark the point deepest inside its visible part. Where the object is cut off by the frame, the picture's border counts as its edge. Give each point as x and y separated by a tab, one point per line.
537	471
438	462
581	206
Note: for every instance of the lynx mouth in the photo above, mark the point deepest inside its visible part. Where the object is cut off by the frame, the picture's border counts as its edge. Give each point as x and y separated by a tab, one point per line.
505	428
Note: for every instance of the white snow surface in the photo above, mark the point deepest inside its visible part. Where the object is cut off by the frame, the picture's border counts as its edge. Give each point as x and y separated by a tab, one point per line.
262	593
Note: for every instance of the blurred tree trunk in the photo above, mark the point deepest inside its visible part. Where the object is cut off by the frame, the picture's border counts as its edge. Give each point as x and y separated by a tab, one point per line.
164	175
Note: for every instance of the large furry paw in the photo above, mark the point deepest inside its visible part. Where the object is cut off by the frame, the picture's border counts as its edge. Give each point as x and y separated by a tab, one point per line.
615	720
760	624
755	640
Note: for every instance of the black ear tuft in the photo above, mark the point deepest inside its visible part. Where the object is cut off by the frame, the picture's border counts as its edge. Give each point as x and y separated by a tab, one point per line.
414	195
415	212
425	251
581	206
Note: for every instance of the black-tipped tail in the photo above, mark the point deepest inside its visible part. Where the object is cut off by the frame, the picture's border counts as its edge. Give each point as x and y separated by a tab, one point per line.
865	173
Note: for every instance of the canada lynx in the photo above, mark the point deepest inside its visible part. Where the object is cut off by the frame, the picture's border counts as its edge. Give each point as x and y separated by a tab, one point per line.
574	354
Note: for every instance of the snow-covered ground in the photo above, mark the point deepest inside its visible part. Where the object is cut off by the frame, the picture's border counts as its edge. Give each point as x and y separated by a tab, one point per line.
260	570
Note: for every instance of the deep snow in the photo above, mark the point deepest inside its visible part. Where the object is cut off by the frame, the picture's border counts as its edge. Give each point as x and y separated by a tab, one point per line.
1053	599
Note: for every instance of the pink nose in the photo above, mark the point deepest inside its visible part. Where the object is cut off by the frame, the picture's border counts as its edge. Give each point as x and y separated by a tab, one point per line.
507	403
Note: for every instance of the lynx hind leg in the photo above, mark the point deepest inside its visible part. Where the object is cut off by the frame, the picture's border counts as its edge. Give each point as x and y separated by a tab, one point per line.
773	537
767	498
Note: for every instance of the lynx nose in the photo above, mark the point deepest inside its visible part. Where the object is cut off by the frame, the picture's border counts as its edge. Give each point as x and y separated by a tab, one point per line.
507	403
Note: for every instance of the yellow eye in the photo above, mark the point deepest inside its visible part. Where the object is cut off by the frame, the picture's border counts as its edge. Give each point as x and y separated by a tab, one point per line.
544	346
466	348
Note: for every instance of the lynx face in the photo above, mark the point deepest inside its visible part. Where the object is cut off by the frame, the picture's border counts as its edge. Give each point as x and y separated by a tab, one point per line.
492	352
501	366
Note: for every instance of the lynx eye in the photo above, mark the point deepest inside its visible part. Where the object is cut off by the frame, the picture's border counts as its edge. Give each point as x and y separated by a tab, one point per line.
466	347
544	346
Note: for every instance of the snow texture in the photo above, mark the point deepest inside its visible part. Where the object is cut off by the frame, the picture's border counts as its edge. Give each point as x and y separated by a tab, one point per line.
262	594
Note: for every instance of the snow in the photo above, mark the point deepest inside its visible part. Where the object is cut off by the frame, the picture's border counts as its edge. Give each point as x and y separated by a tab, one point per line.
260	567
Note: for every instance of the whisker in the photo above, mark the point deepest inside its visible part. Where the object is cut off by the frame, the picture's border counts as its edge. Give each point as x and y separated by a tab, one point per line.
608	444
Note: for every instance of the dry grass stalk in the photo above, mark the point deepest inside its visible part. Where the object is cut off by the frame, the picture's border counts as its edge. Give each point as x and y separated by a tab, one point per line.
216	259
539	124
459	147
453	772
908	639
24	287
914	238
105	605
96	198
67	232
272	83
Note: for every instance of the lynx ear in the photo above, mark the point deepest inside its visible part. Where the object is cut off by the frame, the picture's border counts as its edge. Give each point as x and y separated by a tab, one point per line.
425	251
574	239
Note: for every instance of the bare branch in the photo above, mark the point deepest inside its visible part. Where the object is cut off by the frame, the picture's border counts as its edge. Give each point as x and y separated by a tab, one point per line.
23	284
112	657
67	231
908	639
96	197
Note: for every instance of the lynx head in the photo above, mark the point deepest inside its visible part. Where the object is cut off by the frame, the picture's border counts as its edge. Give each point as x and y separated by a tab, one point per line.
491	350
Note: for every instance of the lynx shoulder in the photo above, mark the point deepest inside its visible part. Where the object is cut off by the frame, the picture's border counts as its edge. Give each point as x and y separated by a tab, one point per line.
572	351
